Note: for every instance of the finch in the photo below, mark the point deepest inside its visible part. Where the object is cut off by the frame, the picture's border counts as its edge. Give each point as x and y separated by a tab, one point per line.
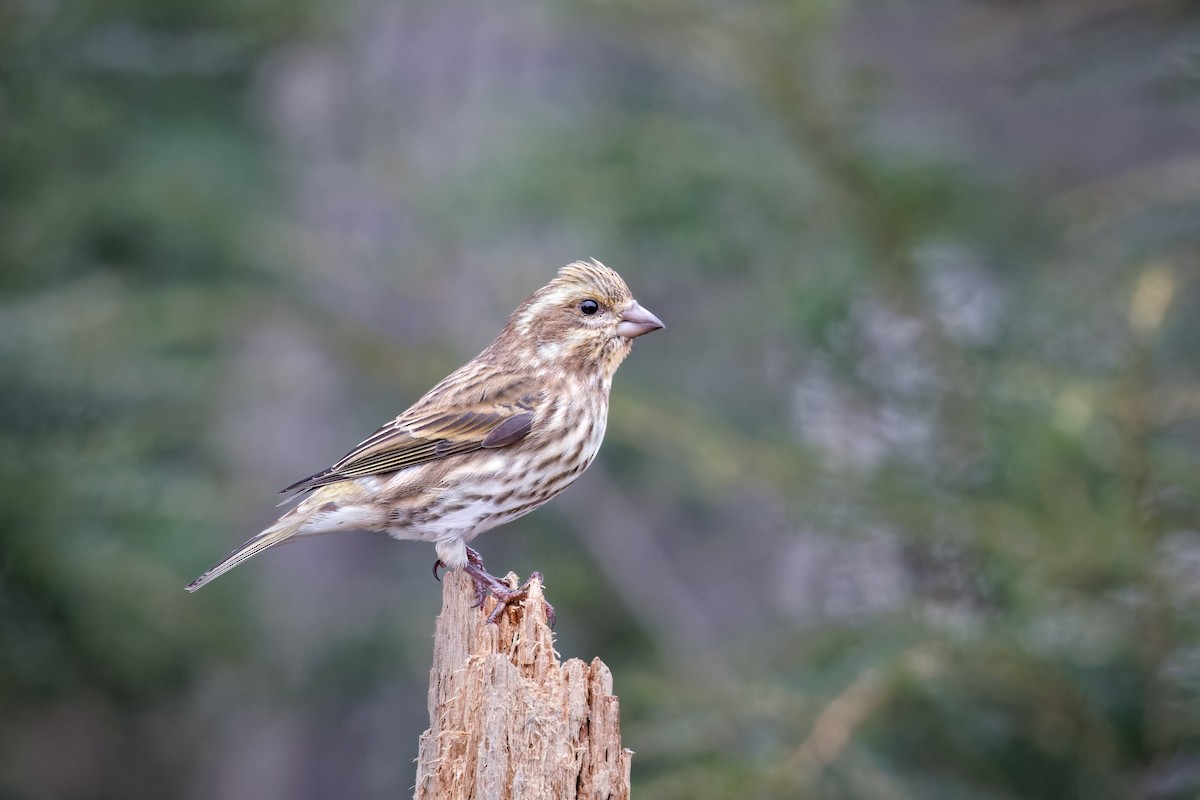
495	439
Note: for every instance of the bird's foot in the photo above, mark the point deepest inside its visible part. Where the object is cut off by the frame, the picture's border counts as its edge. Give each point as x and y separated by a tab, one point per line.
504	593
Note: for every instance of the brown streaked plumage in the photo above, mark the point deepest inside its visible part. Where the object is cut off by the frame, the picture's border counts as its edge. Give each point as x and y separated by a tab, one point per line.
495	439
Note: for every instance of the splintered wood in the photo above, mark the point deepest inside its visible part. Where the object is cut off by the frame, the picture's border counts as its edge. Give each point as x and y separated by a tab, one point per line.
507	721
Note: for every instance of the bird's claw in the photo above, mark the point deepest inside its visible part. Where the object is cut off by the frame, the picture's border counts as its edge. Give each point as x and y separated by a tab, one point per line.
505	594
505	598
480	595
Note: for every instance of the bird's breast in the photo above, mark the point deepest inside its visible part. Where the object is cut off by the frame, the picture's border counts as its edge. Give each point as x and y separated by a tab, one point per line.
487	488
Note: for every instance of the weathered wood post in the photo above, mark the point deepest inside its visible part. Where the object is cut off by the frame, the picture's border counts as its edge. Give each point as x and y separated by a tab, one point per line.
507	720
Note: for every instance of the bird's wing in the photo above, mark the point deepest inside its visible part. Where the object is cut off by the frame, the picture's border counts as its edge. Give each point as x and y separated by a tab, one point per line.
456	416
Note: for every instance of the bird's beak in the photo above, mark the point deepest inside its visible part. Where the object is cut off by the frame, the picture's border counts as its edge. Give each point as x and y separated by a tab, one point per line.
636	320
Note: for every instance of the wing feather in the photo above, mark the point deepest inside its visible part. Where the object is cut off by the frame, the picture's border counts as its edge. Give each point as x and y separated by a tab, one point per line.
442	423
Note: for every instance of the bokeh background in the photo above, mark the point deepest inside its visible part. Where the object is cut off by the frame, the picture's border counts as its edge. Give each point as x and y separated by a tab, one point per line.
902	504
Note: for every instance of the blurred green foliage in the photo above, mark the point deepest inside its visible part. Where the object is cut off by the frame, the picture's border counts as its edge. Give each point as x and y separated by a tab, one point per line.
902	504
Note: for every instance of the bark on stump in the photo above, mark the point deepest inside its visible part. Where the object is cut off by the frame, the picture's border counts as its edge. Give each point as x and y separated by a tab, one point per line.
507	721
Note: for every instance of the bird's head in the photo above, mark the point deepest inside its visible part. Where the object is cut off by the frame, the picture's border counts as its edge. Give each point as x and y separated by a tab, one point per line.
583	319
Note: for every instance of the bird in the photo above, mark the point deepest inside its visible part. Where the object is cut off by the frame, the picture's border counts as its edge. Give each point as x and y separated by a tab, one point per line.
494	440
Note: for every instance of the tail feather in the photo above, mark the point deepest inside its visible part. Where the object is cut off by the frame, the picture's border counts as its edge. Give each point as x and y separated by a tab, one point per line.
280	532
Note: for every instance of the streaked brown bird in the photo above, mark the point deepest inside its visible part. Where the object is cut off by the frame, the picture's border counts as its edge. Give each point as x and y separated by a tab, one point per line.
497	438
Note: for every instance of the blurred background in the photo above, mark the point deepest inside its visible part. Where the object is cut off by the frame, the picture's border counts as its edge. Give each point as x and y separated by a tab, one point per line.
902	504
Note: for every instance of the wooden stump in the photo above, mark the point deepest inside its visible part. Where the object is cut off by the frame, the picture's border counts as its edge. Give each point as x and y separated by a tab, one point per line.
507	721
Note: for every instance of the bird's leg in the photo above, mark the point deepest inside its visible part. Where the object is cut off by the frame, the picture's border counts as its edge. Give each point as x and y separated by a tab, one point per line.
486	582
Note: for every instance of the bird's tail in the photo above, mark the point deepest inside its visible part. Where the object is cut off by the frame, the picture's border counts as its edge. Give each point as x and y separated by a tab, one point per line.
289	525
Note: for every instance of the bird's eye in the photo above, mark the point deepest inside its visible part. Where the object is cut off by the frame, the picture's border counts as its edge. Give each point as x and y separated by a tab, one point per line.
588	307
